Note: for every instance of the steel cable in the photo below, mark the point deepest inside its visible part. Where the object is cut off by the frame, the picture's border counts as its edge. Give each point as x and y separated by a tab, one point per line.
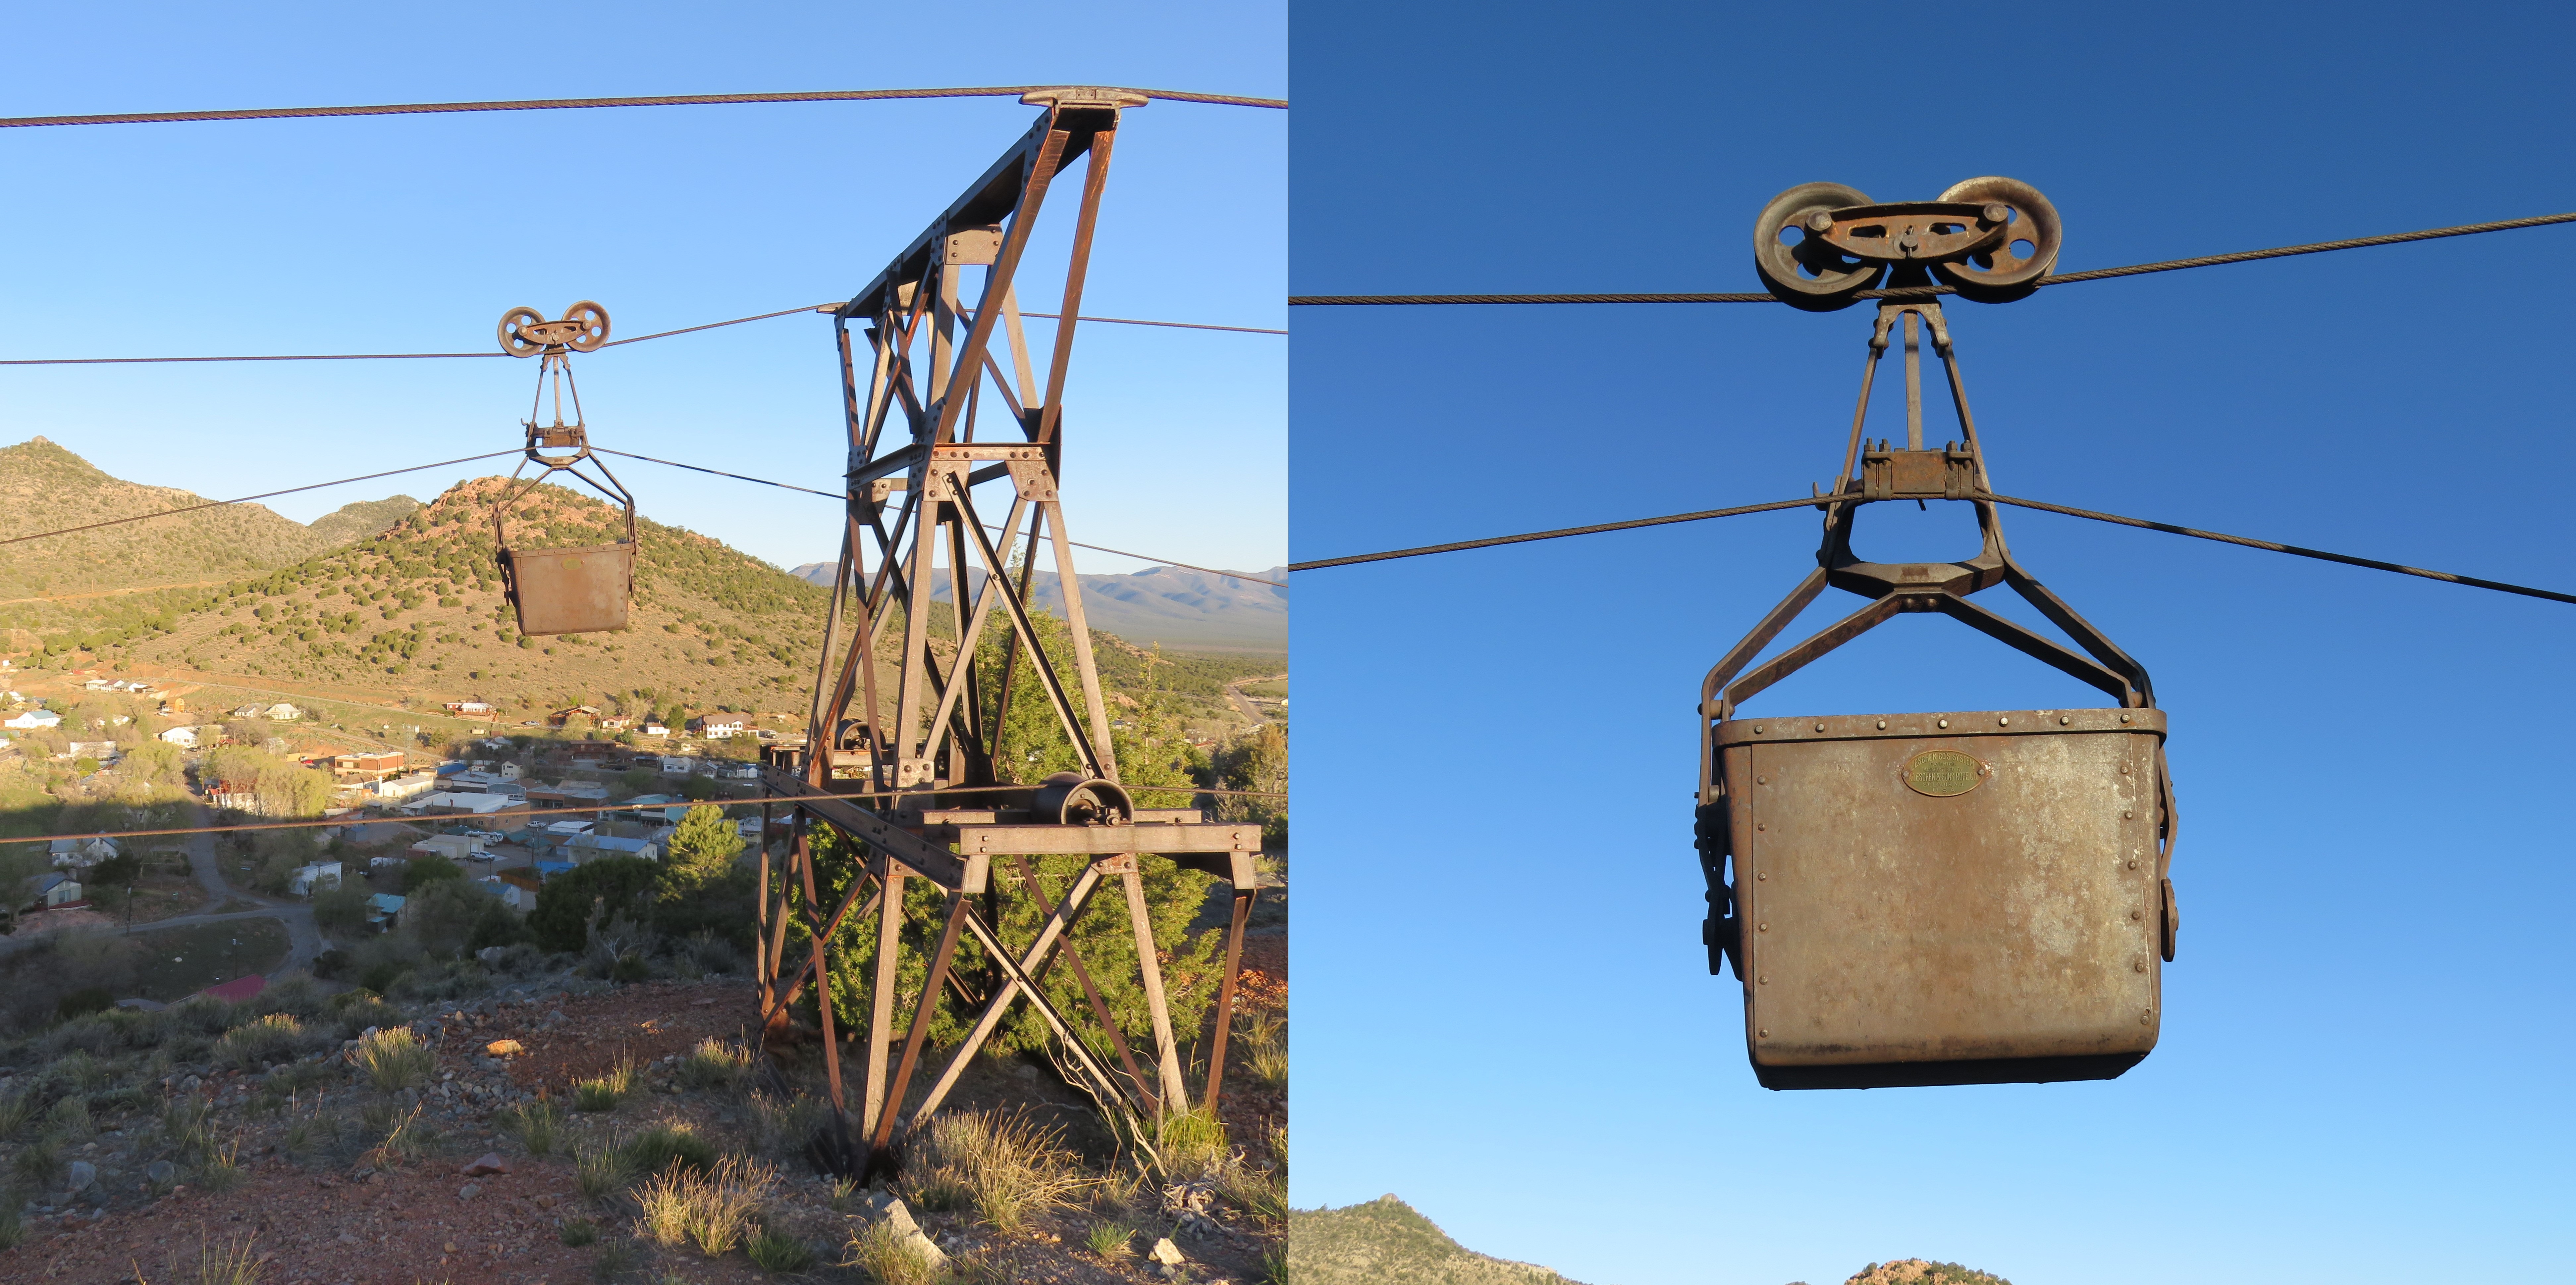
789	486
216	504
2143	524
2292	549
1926	292
556	104
1561	532
659	334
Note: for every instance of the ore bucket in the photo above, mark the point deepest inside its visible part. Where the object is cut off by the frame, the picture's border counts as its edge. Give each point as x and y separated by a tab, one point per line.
570	591
1961	898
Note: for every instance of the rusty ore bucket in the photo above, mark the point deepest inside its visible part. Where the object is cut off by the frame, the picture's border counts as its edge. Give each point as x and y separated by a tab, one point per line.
1947	898
570	591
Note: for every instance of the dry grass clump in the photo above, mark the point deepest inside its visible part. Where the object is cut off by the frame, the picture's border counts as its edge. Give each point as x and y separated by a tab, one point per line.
537	1125
599	1171
606	1091
1189	1144
657	1149
715	1064
999	1164
784	1128
274	1038
1265	1046
405	1138
395	1059
779	1254
885	1258
713	1210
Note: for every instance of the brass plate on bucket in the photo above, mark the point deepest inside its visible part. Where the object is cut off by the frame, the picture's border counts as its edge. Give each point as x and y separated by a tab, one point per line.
1943	773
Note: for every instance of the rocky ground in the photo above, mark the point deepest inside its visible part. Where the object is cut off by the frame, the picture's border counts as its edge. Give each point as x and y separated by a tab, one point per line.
138	1187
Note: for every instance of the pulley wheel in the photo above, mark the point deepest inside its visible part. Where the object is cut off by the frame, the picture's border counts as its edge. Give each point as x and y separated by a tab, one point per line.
594	325
1070	798
1810	274
515	343
2014	268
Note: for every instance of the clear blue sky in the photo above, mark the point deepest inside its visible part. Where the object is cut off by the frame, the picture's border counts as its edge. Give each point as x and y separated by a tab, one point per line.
415	233
1503	1012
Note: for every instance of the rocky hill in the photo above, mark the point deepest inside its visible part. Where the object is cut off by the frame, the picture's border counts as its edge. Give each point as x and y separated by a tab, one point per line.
414	614
1173	606
1386	1240
1916	1271
140	569
365	518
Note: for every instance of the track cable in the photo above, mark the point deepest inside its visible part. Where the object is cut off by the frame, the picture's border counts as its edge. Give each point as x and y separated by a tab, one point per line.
561	104
1927	292
2143	524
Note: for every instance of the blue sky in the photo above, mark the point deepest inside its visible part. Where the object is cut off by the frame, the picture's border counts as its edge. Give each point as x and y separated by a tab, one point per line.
1503	1012
411	234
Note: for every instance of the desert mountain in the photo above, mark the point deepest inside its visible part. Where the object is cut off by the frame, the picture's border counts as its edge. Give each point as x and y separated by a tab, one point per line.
365	518
1174	606
1386	1240
44	487
140	569
415	613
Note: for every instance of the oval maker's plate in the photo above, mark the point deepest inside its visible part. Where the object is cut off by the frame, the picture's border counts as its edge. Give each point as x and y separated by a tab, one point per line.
1943	773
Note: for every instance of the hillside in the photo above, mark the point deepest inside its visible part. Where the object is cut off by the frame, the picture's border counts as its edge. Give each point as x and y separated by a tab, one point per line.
1386	1240
365	518
415	615
1174	606
116	579
44	487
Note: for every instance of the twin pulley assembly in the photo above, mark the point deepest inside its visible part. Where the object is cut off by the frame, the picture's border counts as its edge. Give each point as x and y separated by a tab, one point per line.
1965	897
563	590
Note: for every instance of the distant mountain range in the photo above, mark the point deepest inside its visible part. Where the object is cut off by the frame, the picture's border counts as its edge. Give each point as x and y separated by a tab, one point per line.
1174	606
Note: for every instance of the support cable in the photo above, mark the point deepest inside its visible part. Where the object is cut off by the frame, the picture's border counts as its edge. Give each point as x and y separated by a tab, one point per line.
1819	502
2291	549
789	486
637	339
555	104
316	486
1561	532
1927	292
217	504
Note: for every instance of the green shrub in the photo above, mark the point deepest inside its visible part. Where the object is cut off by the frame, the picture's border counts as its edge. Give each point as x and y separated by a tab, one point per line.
580	1232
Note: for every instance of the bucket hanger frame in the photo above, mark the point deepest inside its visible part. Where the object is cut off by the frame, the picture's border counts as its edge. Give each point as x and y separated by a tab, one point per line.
1873	473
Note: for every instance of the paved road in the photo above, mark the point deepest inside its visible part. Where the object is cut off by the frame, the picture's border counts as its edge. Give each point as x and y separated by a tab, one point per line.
303	936
1243	704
